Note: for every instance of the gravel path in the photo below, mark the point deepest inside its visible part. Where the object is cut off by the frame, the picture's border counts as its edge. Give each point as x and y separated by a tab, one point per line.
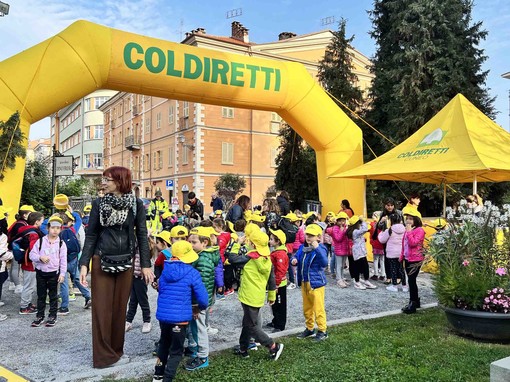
64	353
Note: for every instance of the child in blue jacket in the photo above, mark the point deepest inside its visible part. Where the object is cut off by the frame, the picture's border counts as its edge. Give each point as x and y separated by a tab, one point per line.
178	283
311	260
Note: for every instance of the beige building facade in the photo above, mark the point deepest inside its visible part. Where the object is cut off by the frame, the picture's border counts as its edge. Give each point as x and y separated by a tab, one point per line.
177	146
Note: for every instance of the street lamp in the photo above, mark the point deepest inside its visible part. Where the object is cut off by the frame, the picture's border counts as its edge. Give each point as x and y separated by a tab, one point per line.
4	9
182	140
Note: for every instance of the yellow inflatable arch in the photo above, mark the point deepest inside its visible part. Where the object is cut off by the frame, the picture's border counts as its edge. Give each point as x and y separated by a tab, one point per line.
86	57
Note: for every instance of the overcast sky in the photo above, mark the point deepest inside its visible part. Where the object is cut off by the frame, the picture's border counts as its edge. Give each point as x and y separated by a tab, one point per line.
31	21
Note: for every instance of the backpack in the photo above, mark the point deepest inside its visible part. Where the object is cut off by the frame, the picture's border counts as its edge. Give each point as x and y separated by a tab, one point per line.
290	230
72	243
17	250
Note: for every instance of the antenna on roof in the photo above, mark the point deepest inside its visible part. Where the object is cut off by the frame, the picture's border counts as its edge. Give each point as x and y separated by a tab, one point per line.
234	13
181	27
328	20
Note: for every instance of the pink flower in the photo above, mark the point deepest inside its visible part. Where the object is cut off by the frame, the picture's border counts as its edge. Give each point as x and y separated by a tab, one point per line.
465	263
500	272
495	290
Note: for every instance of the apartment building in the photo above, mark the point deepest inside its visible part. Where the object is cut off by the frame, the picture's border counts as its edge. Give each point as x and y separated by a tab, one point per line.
81	132
177	146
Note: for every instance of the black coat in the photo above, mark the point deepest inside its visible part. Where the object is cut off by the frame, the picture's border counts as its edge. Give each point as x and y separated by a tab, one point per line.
117	239
284	205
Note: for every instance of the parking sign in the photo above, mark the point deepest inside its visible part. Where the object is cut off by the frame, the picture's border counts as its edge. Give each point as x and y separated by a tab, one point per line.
169	184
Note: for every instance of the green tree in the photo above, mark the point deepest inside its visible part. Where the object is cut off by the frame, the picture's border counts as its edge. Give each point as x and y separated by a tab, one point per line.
12	142
228	186
36	189
336	70
77	186
427	52
296	167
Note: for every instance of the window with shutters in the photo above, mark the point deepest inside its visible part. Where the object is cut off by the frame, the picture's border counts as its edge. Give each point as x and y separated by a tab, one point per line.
171	157
273	154
227	153
158	121
185	109
170	115
227	112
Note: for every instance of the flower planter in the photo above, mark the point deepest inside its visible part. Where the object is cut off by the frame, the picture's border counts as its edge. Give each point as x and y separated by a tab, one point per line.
481	325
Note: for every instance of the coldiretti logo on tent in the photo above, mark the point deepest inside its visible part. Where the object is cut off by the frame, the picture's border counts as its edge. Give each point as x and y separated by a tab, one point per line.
206	69
432	139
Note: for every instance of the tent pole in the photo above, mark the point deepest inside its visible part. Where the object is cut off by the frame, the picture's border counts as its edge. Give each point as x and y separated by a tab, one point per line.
475	185
444	200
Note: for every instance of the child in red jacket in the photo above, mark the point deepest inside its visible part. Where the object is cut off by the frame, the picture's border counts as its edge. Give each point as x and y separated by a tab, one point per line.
377	249
280	260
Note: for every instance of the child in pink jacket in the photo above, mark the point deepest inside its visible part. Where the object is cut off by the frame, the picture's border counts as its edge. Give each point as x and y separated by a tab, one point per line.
412	252
341	247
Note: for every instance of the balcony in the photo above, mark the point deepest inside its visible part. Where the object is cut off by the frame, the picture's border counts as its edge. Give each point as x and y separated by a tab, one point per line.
183	123
132	142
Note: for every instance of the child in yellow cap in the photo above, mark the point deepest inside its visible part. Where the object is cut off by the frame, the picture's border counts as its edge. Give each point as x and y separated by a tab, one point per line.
280	260
311	260
257	274
356	232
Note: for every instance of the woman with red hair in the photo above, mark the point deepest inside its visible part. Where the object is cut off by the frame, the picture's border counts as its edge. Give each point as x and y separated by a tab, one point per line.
116	230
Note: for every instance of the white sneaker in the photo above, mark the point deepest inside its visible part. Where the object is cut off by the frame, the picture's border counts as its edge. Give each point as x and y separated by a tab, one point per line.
12	286
129	326
2	303
212	331
3	317
18	289
359	285
369	285
405	288
291	286
146	328
392	288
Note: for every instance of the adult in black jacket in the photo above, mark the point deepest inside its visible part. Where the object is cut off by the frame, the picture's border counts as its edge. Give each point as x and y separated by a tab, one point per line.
283	202
196	206
116	227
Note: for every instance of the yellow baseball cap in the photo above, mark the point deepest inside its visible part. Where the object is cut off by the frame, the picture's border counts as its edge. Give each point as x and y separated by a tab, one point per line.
247	214
257	218
55	221
313	229
203	231
230	226
280	235
70	216
87	208
184	251
330	213
353	220
260	240
412	211
250	228
165	235
342	215
179	231
27	207
61	201
308	214
167	215
292	217
218	212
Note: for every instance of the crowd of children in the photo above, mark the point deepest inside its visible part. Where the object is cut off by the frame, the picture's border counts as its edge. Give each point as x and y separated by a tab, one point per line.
260	256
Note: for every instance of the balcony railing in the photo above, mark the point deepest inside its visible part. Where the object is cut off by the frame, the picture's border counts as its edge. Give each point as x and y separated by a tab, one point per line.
132	142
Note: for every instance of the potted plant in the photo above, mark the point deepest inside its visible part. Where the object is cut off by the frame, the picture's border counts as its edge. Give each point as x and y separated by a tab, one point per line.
472	283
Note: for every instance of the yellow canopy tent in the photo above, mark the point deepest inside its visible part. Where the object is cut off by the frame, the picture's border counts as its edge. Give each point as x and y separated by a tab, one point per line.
458	145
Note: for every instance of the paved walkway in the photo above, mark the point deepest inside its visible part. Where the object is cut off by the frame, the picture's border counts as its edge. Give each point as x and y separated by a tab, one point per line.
64	353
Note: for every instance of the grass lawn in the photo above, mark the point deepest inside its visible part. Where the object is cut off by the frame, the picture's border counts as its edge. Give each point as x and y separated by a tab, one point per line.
418	347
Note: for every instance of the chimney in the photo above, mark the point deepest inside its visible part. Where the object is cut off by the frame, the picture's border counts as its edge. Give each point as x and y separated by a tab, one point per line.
199	31
286	35
239	32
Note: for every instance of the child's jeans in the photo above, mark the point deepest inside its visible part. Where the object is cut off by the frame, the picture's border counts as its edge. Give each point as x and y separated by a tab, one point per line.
313	306
361	267
341	261
379	269
138	297
397	271
47	285
252	329
29	286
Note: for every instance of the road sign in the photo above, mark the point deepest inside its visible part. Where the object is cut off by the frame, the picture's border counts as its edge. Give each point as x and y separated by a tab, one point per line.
169	184
64	165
